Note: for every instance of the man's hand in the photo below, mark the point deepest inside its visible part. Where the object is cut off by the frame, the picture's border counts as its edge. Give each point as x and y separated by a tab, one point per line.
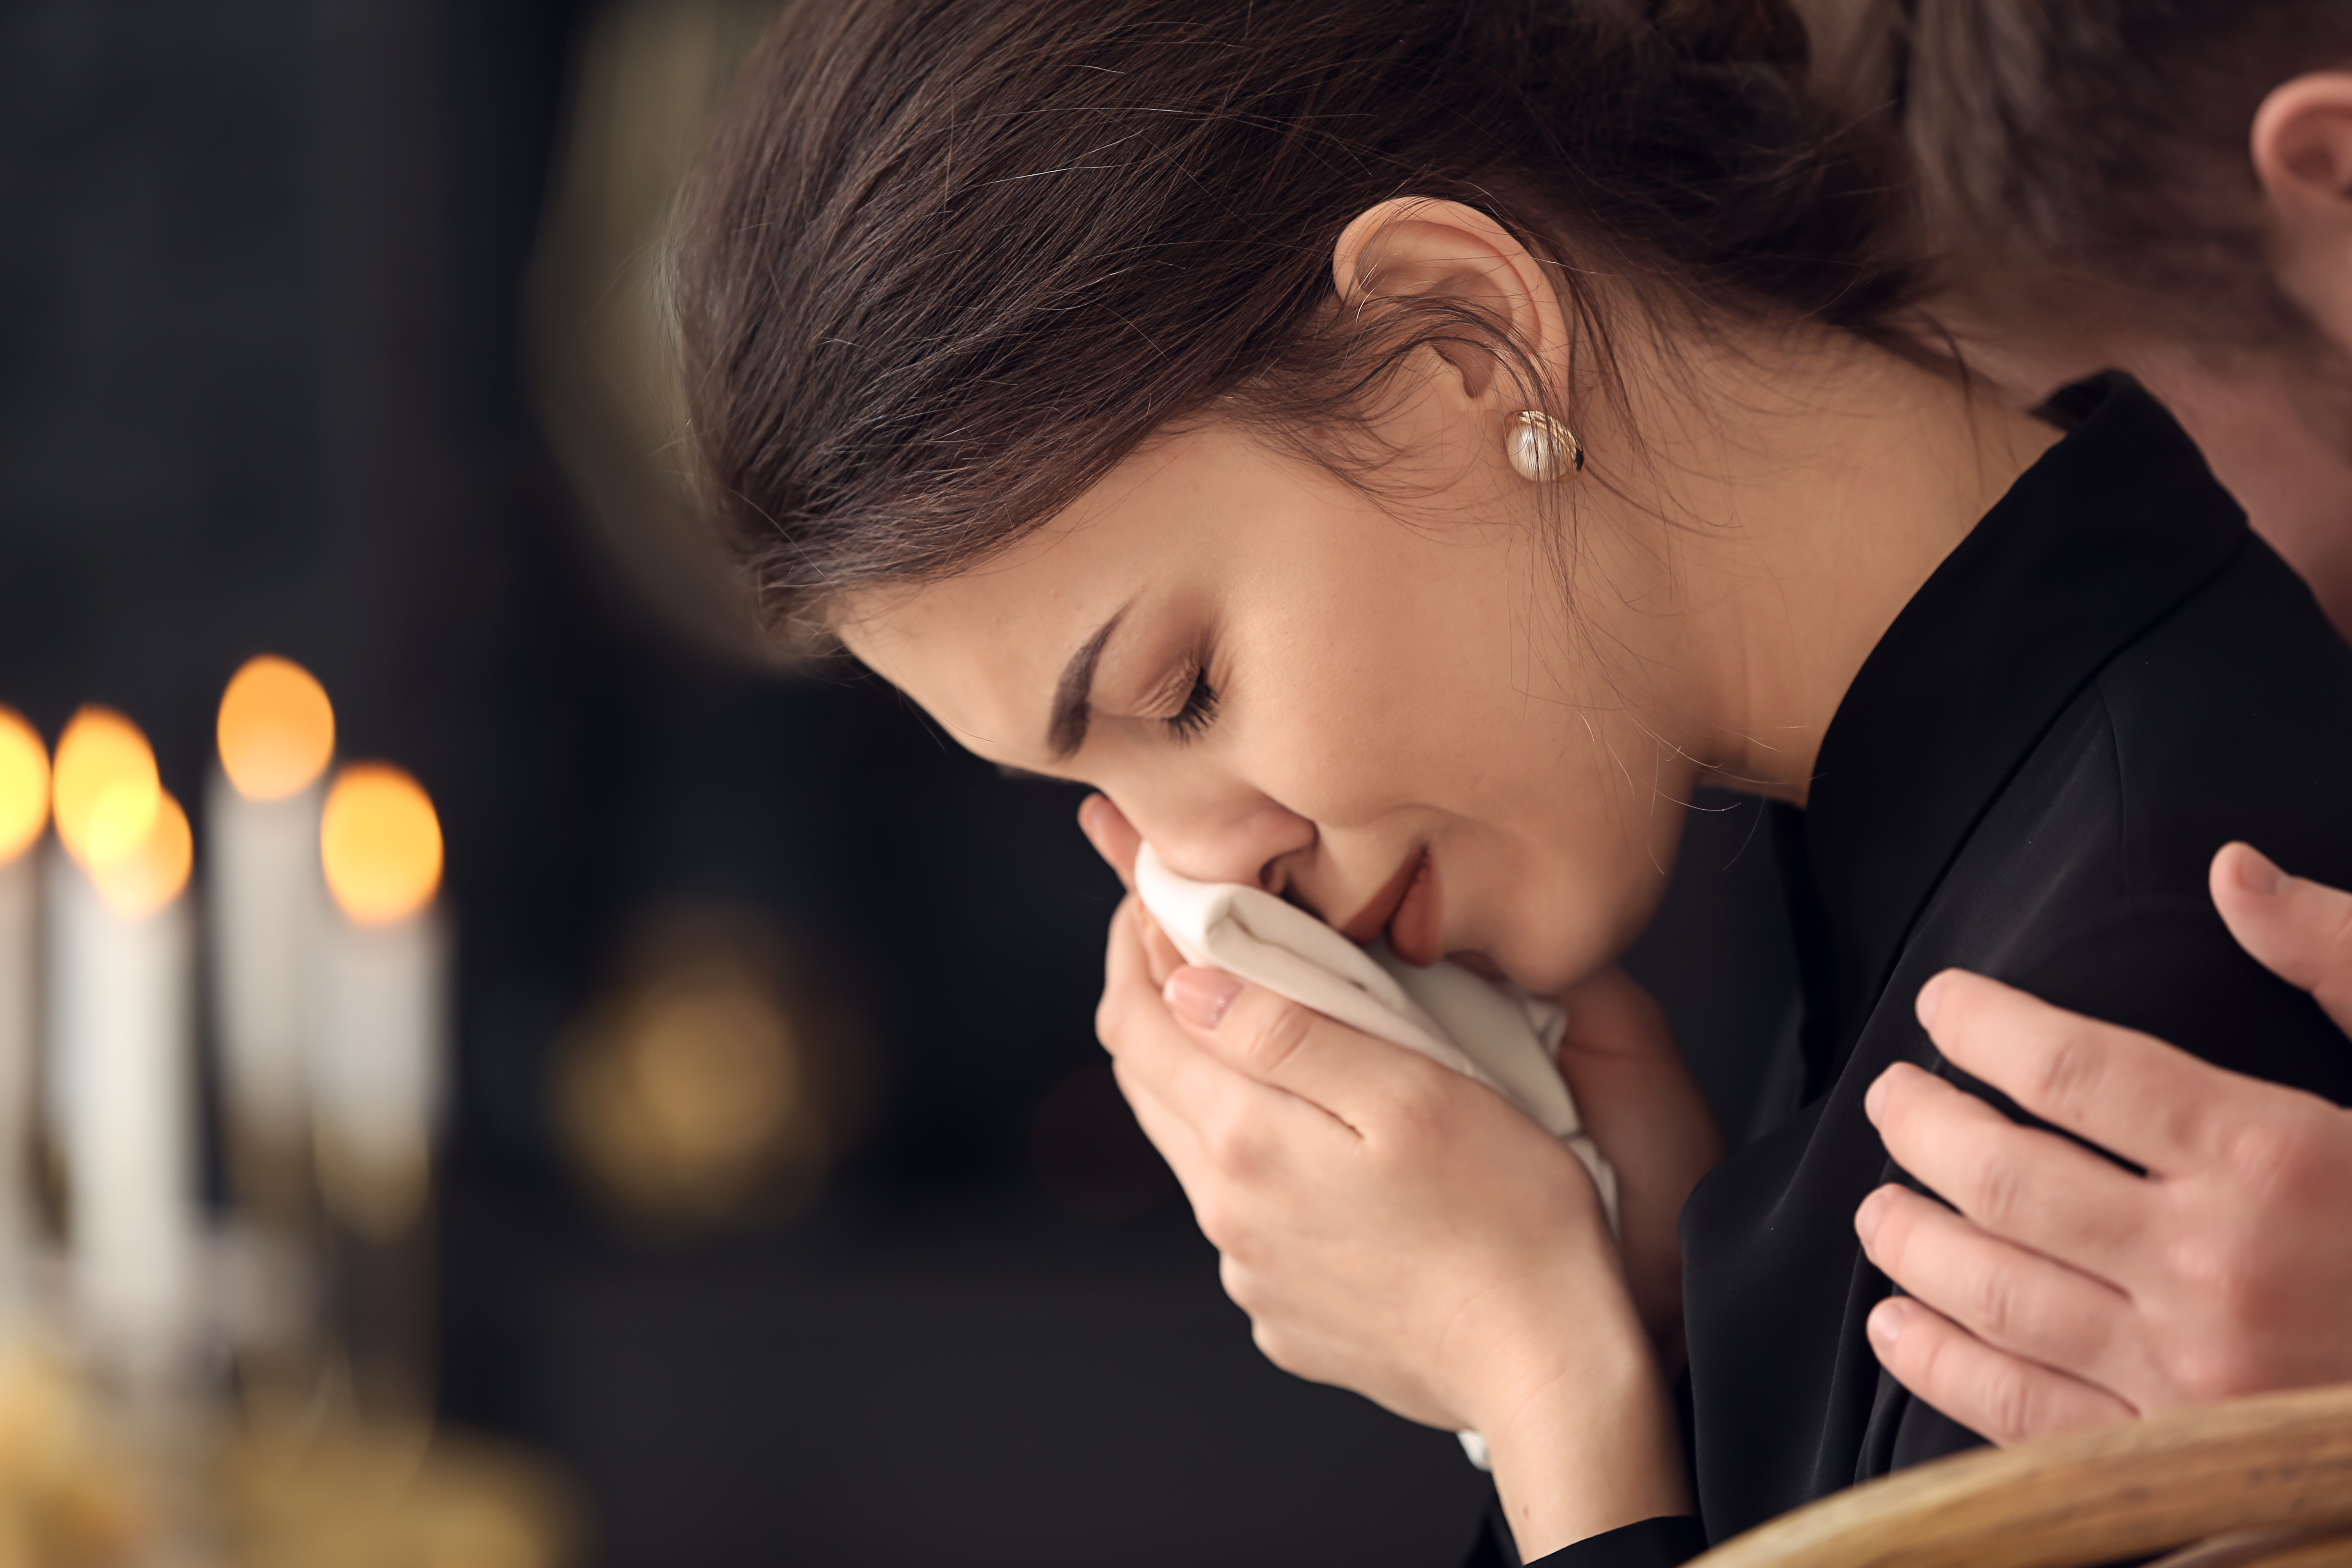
2065	1291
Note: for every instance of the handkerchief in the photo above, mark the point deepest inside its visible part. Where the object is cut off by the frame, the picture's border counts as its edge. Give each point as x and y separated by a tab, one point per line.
1498	1034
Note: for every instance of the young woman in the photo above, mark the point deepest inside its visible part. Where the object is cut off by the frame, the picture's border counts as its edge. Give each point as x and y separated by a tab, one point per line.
2166	187
1396	451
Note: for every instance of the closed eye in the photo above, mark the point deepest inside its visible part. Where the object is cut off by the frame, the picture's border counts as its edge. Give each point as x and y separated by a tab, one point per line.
1199	709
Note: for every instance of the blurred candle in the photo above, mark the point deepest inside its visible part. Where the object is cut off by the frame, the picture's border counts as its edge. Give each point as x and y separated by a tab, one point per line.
120	1045
376	1068
276	733
24	813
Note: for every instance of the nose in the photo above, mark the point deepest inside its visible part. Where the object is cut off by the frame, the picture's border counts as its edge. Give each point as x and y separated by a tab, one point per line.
1239	838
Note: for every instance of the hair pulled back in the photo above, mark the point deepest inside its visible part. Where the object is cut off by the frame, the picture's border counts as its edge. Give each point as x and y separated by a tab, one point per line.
947	261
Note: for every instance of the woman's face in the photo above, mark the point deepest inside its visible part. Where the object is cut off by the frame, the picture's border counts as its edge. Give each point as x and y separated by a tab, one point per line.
1364	709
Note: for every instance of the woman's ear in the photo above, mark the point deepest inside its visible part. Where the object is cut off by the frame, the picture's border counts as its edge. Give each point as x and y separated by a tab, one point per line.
2301	143
1417	247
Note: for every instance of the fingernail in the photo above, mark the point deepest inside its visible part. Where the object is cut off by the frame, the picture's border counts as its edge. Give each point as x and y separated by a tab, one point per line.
1873	1099
1885	1324
1866	1217
1200	997
1088	810
2257	874
1931	997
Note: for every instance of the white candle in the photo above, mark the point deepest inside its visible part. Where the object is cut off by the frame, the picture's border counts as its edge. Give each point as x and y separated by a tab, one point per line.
24	813
121	1046
276	732
376	1065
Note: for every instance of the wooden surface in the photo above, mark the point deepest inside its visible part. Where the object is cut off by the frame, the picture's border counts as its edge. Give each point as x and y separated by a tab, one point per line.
2264	1549
2277	1462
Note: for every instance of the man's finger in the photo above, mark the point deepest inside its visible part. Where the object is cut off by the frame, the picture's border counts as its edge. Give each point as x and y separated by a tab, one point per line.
1350	1076
2005	1398
1113	836
2020	1184
2299	929
2158	1107
2012	1298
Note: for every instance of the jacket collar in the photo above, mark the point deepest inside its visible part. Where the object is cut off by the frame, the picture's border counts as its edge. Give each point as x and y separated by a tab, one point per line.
2116	525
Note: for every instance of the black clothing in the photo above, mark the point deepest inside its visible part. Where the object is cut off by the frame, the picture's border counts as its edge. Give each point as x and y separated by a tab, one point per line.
2108	679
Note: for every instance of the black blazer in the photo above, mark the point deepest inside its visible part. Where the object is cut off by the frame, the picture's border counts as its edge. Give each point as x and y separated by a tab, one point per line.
2108	681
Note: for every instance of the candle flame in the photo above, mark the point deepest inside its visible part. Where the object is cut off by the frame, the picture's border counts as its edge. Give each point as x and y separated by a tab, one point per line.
380	843
140	875
24	785
277	729
102	758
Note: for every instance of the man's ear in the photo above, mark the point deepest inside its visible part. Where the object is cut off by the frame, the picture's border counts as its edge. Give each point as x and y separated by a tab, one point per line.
2301	145
1414	247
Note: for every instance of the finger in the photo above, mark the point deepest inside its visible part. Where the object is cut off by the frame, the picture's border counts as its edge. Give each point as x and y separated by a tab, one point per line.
1160	957
2020	1184
2005	1398
1113	836
1350	1076
2158	1107
1242	1125
2299	929
2007	1297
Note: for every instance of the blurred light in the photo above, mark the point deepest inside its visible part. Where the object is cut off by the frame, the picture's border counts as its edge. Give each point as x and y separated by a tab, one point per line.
24	785
120	823
380	844
277	729
717	1083
138	875
102	753
692	1095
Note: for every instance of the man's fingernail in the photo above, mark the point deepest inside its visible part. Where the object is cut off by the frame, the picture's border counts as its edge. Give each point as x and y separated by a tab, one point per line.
1200	997
1866	1217
1885	1323
2257	874
1090	809
1873	1099
1931	997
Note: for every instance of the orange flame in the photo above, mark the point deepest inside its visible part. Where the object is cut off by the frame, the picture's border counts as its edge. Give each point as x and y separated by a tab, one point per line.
380	843
24	785
277	729
103	761
140	875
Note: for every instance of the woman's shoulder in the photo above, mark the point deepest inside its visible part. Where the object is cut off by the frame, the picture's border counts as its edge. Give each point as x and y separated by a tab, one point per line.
2085	882
2231	718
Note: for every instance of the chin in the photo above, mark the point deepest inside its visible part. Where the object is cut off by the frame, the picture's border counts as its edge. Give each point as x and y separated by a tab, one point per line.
1547	969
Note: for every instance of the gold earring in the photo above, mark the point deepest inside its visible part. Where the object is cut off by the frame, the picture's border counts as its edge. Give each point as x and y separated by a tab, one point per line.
1541	447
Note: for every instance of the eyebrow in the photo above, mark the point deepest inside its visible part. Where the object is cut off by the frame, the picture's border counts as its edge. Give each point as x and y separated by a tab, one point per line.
1075	690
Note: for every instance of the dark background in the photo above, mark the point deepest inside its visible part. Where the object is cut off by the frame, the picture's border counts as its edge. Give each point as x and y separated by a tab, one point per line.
262	388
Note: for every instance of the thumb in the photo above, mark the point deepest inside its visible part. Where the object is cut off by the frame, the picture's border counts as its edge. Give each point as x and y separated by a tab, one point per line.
1285	1046
2299	929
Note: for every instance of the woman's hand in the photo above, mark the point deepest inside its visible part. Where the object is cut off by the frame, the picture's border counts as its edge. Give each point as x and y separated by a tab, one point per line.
1640	1105
1395	1229
2066	1292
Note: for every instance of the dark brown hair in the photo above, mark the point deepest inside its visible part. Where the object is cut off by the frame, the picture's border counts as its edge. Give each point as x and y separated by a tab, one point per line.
947	261
2098	148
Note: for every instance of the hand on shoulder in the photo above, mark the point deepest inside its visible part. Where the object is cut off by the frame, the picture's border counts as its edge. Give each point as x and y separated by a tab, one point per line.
2060	1290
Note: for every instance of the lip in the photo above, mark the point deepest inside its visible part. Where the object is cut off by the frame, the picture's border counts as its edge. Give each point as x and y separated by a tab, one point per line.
1406	907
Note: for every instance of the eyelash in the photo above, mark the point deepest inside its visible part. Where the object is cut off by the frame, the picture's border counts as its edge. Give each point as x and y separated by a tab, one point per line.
1199	709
